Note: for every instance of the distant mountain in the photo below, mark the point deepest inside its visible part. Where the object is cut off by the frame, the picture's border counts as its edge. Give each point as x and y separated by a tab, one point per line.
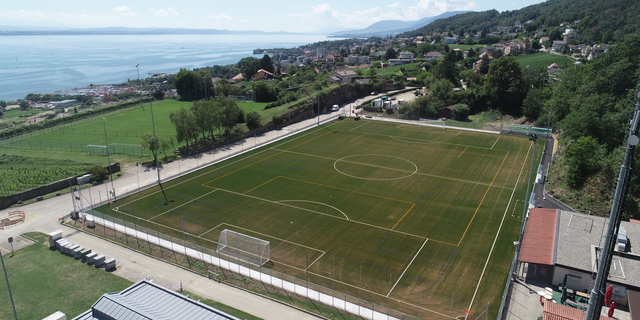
386	28
10	30
595	20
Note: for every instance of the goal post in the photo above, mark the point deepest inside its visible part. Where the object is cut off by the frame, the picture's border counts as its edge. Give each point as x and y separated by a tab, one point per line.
243	247
94	149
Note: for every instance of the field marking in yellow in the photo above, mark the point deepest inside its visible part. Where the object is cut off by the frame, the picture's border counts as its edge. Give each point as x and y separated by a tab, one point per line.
323	214
271	156
216	227
408	265
356	138
1	248
228	164
184	204
465	149
260	185
417	173
495	239
344	189
484	197
402	218
314	261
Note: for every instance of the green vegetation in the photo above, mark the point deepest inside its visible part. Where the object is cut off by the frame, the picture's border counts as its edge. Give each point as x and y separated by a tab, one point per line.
541	60
44	281
362	194
19	173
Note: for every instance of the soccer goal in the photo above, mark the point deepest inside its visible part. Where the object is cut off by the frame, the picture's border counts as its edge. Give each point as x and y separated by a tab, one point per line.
134	150
243	247
94	149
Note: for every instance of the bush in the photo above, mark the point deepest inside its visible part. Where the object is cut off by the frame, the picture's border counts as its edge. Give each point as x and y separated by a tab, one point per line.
98	174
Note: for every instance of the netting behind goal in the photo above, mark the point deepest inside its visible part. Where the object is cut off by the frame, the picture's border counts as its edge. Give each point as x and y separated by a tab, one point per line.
134	150
528	129
243	247
94	149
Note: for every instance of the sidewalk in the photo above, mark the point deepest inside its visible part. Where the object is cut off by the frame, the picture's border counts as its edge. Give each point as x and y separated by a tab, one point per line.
43	216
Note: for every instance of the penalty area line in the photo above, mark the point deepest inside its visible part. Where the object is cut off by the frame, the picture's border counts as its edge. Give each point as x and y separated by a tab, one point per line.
314	261
407	268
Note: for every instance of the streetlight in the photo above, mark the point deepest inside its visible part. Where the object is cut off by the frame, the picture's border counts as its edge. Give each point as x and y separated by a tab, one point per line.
6	277
104	126
138	70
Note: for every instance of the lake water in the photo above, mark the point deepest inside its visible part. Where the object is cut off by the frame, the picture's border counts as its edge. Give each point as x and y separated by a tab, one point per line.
43	64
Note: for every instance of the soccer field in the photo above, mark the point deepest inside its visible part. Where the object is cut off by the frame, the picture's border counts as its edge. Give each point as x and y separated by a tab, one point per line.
400	215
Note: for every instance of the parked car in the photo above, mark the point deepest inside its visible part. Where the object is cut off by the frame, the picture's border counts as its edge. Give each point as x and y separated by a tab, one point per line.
335	107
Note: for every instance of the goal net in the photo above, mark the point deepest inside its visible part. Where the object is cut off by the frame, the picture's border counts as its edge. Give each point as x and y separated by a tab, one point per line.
243	247
94	149
134	150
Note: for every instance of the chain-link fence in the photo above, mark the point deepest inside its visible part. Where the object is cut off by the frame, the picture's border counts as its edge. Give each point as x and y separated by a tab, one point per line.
482	123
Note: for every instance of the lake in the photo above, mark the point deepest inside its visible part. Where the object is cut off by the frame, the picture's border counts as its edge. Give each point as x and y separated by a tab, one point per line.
43	64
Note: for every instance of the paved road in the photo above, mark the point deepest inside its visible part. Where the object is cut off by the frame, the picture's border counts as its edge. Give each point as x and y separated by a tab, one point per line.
43	216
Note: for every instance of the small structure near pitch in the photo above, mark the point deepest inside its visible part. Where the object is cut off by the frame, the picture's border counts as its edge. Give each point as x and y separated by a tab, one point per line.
14	217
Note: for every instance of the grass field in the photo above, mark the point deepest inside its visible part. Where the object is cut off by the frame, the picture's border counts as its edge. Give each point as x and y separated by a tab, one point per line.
398	214
44	281
541	60
124	128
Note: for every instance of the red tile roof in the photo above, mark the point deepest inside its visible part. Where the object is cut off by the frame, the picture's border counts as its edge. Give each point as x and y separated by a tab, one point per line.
539	238
556	311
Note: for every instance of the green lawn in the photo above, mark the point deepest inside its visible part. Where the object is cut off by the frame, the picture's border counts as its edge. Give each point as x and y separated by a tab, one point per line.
373	209
70	140
44	281
541	60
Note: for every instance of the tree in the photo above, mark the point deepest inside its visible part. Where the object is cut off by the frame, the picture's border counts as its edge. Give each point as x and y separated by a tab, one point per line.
461	112
442	90
266	63
505	85
230	113
253	120
148	142
264	92
3	105
390	54
185	124
205	116
532	104
249	66
555	34
25	105
187	84
582	160
98	173
158	94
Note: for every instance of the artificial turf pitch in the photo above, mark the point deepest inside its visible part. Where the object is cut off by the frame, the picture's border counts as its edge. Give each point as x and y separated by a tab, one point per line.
400	215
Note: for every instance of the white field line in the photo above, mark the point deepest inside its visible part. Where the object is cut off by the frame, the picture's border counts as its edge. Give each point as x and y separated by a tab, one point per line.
498	233
324	204
360	126
310	129
216	227
417	173
314	261
324	214
494	144
459	132
184	204
405	269
420	140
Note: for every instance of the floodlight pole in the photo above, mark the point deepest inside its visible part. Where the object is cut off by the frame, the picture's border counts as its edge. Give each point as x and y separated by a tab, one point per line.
604	264
104	126
553	98
155	153
139	97
6	277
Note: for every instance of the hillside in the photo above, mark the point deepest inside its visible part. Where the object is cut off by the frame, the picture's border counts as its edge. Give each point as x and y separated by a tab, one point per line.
600	21
386	28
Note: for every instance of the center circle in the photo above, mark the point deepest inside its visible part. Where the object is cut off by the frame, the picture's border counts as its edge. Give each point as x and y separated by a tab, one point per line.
375	167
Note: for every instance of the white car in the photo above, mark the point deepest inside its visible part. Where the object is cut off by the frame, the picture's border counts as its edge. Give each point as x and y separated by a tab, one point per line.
335	107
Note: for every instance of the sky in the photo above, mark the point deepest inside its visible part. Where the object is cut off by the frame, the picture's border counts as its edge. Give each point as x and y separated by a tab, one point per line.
315	16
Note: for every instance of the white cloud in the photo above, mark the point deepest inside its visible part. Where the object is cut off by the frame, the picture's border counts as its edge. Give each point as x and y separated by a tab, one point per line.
125	11
221	16
165	13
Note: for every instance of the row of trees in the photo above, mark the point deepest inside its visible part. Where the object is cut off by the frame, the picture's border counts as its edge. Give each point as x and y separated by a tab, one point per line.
206	117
